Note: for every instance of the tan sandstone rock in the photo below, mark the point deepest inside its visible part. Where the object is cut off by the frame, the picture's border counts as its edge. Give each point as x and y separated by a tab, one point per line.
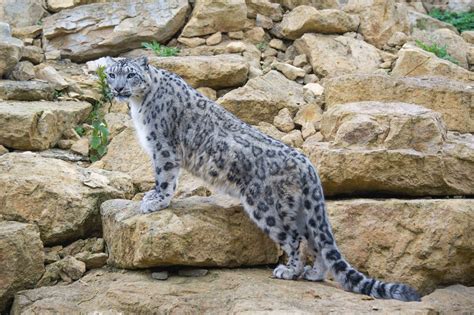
235	291
415	62
95	30
425	22
389	126
26	90
38	125
217	72
22	12
450	98
307	19
197	231
401	172
210	16
21	259
264	8
263	97
331	55
423	242
10	53
379	19
318	4
61	198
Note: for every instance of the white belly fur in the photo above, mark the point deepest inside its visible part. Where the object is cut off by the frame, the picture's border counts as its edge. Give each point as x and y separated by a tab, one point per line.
139	127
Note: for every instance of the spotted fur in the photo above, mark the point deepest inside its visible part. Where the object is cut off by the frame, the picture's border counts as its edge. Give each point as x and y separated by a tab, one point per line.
277	185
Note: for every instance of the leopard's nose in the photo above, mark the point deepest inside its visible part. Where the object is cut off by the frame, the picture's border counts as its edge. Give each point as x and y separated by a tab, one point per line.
119	89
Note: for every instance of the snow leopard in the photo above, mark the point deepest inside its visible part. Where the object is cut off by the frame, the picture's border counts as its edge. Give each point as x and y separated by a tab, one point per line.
279	188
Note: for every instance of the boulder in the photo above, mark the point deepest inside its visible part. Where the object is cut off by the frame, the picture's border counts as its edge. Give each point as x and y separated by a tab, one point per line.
307	19
389	126
196	231
399	172
425	243
468	36
264	8
63	203
455	45
10	54
263	97
331	55
379	19
415	62
32	54
26	90
38	125
23	71
58	5
217	72
21	13
450	98
68	269
91	31
223	291
21	259
318	4
210	16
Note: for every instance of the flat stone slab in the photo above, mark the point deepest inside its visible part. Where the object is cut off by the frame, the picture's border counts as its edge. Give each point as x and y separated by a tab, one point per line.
196	231
26	90
453	99
238	291
38	125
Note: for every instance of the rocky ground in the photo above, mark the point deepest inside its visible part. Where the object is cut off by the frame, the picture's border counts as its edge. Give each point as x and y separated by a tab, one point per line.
388	124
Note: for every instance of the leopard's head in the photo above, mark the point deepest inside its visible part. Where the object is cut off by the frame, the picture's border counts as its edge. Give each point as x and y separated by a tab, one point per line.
128	77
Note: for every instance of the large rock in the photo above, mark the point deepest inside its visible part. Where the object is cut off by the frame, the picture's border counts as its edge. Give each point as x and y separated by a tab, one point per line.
426	242
307	19
38	125
197	231
21	13
217	72
450	98
400	172
415	62
61	198
389	126
264	7
26	90
263	97
454	43
425	22
10	53
21	259
318	4
331	55
210	16
379	19
95	30
236	291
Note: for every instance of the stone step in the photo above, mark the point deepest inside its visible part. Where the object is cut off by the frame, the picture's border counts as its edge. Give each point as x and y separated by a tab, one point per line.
38	125
452	99
238	291
197	231
62	199
26	90
21	259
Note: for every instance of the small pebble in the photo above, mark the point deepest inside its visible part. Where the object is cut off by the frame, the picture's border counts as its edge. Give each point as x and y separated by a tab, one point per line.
192	272
162	275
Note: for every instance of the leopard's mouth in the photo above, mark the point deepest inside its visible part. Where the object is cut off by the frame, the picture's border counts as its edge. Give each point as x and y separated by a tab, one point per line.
122	97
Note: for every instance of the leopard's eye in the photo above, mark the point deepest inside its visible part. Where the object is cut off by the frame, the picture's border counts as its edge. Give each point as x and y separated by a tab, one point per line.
130	75
112	76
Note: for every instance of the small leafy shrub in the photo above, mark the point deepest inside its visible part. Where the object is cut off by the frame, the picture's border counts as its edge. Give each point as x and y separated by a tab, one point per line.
100	131
161	50
462	21
439	51
57	94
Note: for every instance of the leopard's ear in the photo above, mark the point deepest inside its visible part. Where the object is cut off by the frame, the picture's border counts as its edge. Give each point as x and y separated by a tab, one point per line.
142	62
109	61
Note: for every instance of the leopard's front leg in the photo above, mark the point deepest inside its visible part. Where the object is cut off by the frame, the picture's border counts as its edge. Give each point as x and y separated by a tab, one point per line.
166	166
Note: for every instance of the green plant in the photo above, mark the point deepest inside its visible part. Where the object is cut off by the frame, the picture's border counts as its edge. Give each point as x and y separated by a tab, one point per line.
57	94
462	21
80	130
439	51
261	46
100	131
161	50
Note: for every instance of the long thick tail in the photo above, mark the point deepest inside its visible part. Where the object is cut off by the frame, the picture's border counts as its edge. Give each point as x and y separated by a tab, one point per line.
355	281
350	278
